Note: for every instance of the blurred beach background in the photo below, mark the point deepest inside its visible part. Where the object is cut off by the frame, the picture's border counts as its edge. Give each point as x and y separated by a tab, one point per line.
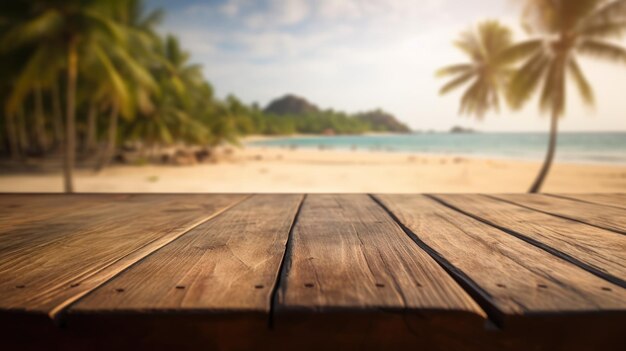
313	96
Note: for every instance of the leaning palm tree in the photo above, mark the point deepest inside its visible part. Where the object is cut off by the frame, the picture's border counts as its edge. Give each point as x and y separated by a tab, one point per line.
487	72
565	30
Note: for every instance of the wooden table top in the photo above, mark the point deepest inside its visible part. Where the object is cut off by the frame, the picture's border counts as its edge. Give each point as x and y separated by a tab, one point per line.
285	271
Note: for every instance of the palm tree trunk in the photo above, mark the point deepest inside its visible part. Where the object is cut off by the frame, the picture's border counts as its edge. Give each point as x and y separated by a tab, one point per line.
12	136
90	144
112	138
547	163
40	123
70	127
57	120
22	135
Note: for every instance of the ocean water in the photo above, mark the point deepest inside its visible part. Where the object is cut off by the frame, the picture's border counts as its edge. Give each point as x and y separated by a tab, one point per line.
578	147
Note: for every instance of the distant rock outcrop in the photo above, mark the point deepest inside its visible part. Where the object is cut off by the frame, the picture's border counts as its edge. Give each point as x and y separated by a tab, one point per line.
383	121
461	130
290	105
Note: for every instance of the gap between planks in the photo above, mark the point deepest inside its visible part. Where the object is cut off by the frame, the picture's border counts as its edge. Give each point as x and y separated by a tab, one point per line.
575	291
593	199
56	314
611	278
563	215
473	289
284	264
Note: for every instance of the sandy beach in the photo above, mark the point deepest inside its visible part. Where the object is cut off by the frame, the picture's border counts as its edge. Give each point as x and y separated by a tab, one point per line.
266	170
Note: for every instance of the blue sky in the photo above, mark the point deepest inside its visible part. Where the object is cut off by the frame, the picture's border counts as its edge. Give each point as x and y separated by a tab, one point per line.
355	55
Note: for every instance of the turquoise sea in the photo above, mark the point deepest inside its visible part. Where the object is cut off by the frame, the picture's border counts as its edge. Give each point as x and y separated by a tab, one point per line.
574	147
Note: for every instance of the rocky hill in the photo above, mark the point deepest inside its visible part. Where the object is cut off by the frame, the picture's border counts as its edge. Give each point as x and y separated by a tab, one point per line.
308	114
290	105
383	121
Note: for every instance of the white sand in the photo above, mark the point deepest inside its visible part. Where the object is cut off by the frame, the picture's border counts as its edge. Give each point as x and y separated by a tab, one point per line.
280	170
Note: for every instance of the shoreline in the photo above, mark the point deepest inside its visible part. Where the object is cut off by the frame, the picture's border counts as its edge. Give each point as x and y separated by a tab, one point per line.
478	157
278	170
249	141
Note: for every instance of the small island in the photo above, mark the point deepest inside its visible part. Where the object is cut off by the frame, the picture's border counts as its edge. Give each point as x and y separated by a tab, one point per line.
461	130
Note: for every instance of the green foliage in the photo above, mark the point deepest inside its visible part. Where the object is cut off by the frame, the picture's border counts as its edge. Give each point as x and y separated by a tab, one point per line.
487	72
133	85
562	30
566	29
292	114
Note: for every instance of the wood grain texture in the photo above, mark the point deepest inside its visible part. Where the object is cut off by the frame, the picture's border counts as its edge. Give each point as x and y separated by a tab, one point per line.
49	262
16	209
599	250
178	271
615	200
346	253
229	263
606	217
513	278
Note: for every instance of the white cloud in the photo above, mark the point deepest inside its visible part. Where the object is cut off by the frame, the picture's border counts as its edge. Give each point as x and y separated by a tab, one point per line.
288	12
232	8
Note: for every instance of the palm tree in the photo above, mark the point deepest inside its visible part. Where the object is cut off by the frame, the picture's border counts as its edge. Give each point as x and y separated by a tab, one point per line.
487	72
565	29
181	103
60	32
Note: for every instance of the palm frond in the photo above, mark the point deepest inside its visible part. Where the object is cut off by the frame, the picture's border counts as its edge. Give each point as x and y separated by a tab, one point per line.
34	29
602	50
520	51
494	37
469	43
581	82
457	82
609	11
612	29
116	82
108	25
153	19
484	44
454	69
539	15
473	100
39	68
526	80
138	72
553	95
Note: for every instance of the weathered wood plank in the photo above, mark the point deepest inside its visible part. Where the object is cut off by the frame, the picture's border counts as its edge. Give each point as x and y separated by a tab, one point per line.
228	263
212	286
16	209
352	278
606	217
347	253
514	279
48	263
615	200
598	250
353	274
